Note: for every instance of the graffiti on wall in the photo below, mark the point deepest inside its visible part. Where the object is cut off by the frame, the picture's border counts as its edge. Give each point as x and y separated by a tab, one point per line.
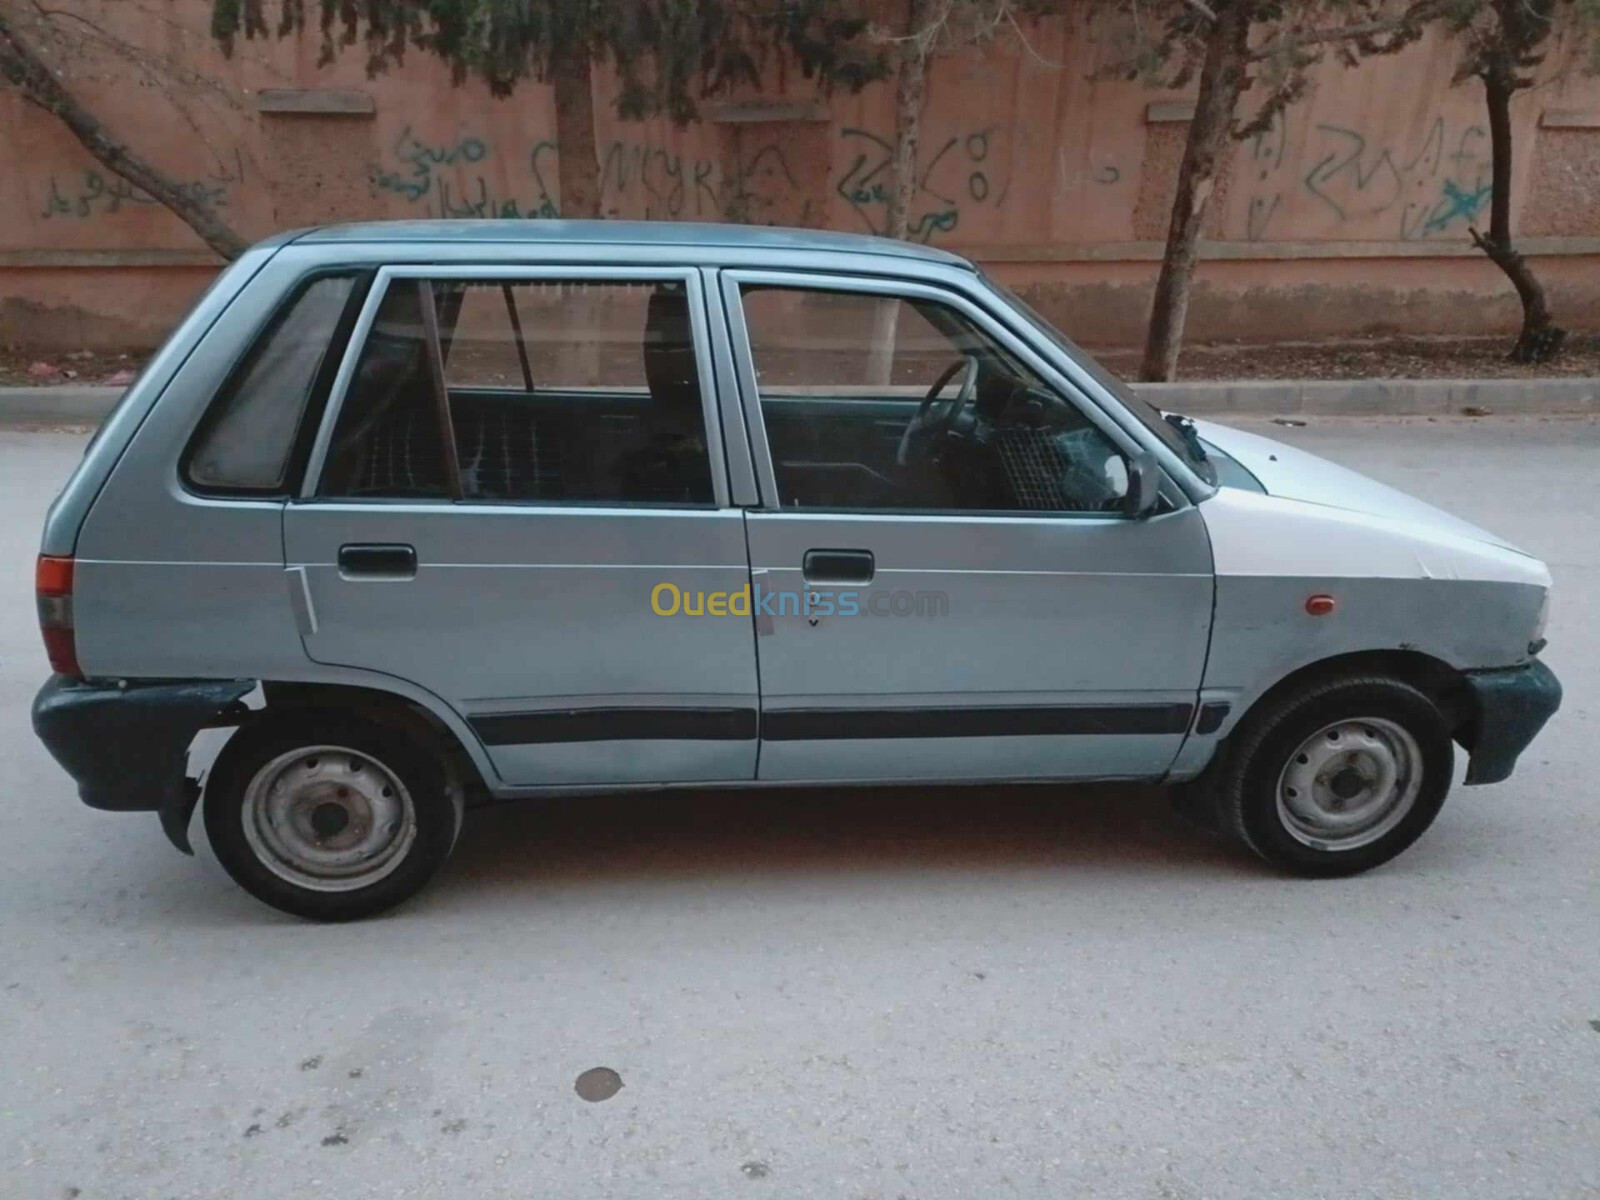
1263	157
651	181
418	172
763	189
456	177
954	180
92	194
453	178
638	178
1410	191
1441	181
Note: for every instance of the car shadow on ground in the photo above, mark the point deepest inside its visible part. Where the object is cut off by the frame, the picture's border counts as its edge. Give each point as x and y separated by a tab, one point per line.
516	856
678	834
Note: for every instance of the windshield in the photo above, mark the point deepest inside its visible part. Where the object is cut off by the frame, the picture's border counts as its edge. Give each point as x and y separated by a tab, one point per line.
1176	433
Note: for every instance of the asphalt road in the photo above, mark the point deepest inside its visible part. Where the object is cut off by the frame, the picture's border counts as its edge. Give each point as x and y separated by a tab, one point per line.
1017	992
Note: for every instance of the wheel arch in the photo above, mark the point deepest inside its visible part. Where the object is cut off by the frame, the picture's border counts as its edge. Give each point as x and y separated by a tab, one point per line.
1198	797
1433	677
463	759
465	762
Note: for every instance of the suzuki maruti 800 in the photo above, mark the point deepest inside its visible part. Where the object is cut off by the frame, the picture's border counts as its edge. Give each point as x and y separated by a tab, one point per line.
432	513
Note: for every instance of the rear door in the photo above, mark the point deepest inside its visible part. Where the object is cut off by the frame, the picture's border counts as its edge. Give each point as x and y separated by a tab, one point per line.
944	607
514	462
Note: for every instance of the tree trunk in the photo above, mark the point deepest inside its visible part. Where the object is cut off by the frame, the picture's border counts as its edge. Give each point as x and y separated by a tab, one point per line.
21	67
577	156
910	86
1222	79
1541	338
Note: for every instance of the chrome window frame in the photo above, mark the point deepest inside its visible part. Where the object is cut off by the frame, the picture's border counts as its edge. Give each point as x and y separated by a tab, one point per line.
700	322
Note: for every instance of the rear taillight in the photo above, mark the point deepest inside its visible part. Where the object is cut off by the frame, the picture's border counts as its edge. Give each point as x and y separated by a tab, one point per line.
52	585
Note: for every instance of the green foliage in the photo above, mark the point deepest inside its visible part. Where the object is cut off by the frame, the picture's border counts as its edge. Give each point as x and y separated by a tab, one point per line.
668	54
1513	37
1165	43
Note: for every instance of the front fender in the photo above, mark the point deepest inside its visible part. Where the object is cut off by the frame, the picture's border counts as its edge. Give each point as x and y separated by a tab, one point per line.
1396	587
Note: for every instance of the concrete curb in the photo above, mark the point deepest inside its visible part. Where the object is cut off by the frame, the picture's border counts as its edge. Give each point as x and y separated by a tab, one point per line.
1286	397
56	405
1378	397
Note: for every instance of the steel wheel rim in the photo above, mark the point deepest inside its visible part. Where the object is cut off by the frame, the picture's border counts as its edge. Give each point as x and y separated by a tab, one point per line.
328	818
1349	784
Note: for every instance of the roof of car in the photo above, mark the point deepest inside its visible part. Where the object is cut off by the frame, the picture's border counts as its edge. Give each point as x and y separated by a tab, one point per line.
688	234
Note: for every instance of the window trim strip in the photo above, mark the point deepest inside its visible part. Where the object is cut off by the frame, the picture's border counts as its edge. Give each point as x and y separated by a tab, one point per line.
448	451
687	275
734	279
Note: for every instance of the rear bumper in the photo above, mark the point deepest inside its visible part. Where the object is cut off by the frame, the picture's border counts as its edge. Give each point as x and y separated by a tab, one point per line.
126	745
1510	707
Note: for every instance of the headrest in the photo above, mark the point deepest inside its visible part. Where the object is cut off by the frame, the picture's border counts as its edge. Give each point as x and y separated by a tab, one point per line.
669	366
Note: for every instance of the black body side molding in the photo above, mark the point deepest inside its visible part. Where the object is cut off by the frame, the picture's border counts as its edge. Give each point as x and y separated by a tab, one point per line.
615	724
810	724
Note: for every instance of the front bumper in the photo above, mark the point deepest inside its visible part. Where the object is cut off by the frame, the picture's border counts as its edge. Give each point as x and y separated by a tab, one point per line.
1510	706
126	744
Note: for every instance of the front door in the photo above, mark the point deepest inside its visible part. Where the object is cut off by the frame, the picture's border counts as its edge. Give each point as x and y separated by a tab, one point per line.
516	464
945	586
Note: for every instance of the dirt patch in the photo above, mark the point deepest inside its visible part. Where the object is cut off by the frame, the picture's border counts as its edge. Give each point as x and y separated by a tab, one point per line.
20	367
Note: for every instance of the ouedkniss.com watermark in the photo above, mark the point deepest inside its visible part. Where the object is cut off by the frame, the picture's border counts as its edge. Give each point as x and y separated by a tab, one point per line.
669	600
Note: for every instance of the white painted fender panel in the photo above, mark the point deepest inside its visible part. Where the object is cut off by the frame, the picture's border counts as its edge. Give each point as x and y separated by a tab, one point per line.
1399	585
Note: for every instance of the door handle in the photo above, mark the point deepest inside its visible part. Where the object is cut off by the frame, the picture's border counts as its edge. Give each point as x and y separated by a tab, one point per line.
377	560
838	566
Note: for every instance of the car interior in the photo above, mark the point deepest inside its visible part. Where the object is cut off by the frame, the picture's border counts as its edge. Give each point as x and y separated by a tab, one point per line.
526	443
985	435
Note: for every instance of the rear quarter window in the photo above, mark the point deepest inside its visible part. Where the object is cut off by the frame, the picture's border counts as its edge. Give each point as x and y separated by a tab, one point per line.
248	436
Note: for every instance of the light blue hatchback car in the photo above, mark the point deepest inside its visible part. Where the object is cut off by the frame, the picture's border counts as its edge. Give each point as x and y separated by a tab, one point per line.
430	513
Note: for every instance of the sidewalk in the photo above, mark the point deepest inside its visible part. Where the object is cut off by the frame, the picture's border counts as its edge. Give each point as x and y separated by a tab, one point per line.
1377	397
1330	397
64	405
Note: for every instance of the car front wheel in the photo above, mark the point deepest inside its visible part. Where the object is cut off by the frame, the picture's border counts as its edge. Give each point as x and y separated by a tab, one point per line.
1338	776
328	816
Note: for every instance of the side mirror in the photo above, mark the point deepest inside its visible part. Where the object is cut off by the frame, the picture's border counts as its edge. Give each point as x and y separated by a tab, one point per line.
1144	486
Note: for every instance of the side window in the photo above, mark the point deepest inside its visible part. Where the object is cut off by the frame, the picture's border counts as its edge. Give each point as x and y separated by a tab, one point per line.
572	391
248	436
884	402
389	441
559	335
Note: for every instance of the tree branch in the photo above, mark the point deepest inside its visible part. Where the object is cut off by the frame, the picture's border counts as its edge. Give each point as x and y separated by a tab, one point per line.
1414	15
21	67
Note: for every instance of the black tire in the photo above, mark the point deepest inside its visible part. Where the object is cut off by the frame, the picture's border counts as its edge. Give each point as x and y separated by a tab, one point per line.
1260	751
433	817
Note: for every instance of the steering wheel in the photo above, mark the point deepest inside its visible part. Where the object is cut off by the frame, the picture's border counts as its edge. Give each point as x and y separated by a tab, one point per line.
928	421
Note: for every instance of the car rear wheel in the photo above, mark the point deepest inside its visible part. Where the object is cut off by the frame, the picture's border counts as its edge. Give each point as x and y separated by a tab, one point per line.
329	816
1337	776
